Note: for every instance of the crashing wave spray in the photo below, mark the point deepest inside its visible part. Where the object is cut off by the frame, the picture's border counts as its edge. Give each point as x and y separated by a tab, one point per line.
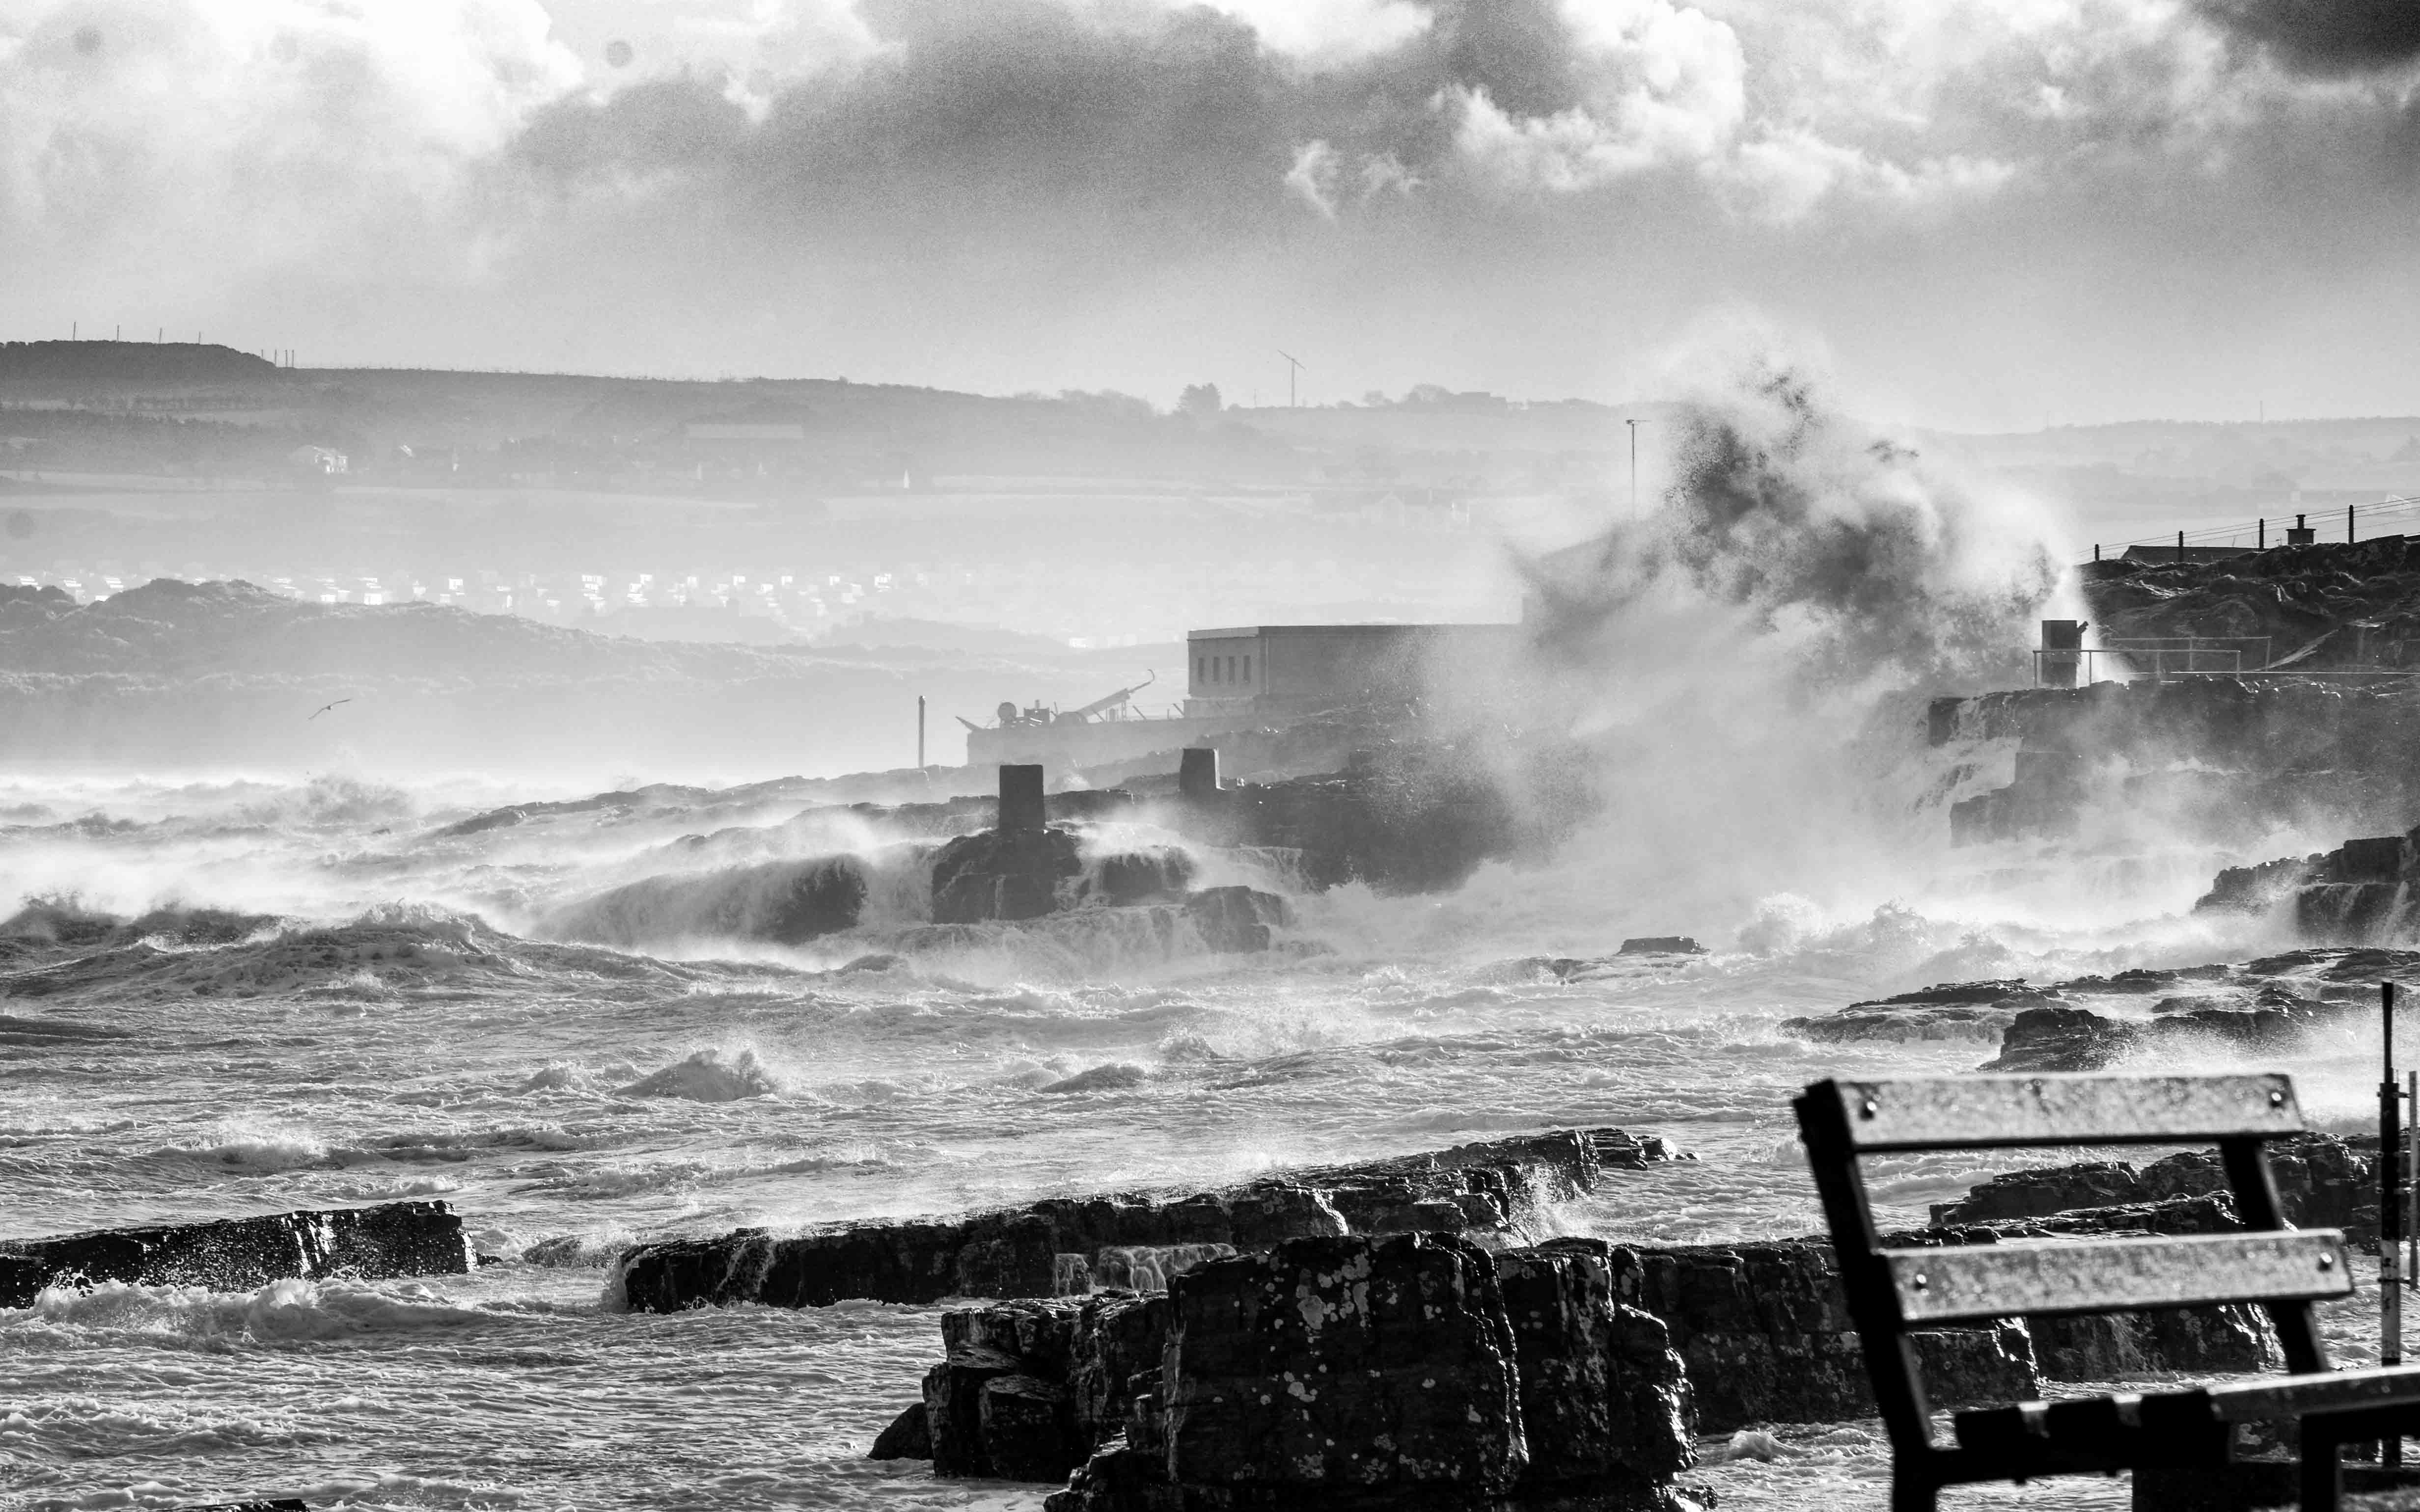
1746	668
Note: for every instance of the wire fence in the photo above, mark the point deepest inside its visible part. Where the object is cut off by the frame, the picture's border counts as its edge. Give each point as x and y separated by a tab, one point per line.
2393	513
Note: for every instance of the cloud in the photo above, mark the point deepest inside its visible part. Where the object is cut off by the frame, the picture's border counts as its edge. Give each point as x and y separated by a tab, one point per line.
178	133
2332	38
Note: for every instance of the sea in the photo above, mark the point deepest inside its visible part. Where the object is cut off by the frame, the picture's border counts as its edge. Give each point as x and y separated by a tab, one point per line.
252	994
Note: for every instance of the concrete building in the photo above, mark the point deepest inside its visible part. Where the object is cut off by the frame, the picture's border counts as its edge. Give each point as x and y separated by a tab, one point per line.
1292	670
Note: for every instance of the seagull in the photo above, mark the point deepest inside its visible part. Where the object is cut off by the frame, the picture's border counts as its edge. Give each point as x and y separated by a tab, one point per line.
324	708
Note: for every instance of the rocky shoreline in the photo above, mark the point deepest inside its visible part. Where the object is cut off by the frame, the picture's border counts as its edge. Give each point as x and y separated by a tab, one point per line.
1063	1247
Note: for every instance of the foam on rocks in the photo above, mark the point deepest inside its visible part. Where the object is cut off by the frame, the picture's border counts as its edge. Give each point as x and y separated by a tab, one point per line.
1499	1189
393	1238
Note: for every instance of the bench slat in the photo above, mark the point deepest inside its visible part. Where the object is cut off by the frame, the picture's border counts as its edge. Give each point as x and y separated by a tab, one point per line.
2333	1391
2000	1112
2116	1275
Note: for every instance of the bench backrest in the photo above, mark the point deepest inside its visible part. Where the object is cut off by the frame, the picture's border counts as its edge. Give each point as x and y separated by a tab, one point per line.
1892	1290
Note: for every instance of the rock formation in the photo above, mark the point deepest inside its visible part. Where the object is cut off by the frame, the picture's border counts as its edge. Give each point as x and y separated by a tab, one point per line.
1063	1245
2226	758
1349	1372
393	1238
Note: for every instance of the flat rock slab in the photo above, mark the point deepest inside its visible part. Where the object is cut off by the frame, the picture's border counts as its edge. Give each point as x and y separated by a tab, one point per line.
393	1238
1061	1245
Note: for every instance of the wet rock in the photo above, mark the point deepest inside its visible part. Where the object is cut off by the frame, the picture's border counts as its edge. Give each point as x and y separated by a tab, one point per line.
908	1437
786	902
1764	1331
2140	980
2013	992
1662	944
2040	1191
1900	1024
1237	921
1345	1366
2323	1181
1159	874
1004	874
396	1239
2059	1037
2255	890
1029	1433
954	1407
1115	1357
1496	1188
1415	1371
1605	1402
1949	1010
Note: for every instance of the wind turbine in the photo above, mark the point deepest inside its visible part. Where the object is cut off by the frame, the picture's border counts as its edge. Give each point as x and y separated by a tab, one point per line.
1293	367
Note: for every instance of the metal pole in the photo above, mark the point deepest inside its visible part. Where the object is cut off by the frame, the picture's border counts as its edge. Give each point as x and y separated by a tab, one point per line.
2262	538
2180	548
1634	469
2390	1209
2349	535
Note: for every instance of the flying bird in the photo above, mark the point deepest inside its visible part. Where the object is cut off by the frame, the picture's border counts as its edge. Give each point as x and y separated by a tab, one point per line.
324	708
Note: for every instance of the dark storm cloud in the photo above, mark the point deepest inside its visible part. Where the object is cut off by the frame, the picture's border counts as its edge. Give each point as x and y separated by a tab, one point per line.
2330	38
1030	108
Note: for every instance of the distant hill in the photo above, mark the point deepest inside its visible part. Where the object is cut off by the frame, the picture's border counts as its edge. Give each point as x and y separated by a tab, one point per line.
140	363
224	675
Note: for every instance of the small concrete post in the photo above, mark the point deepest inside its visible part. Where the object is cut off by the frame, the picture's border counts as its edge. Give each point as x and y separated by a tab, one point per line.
1197	772
1020	796
2062	653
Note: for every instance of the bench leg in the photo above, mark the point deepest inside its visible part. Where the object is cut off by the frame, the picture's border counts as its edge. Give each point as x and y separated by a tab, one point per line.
1912	1492
2321	1482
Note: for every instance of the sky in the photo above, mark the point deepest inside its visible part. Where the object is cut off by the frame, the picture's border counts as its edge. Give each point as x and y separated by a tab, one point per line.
1976	214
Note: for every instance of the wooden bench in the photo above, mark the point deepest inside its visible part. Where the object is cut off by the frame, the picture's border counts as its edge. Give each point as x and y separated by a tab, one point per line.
1891	1292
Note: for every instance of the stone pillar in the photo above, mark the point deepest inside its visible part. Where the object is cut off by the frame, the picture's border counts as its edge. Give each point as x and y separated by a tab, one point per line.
1020	798
1197	772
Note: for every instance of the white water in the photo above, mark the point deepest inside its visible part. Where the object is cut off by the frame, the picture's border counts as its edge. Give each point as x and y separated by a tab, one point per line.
395	1037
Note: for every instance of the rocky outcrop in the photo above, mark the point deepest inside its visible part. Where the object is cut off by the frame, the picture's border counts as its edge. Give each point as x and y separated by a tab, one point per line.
2255	890
785	903
909	1436
2323	1181
1662	944
1413	1371
1237	921
2062	1038
1404	817
1763	1329
1951	1010
1003	873
1066	1245
395	1238
2222	758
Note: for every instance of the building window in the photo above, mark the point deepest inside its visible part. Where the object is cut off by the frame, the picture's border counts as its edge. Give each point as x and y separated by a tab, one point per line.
1201	668
1230	669
1247	668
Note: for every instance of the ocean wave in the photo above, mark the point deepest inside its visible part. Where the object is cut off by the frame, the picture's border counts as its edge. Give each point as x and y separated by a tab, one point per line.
710	1076
287	1311
1117	1075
